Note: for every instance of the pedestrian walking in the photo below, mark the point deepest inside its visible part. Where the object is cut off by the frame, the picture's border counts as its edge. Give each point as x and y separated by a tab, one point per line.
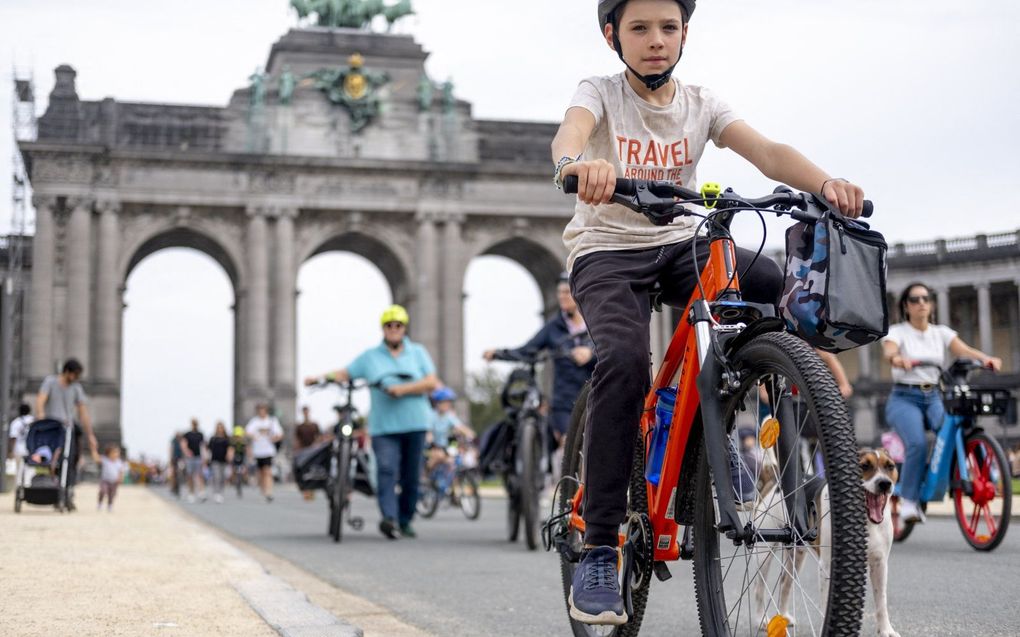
111	474
239	458
306	434
264	431
194	446
62	398
17	431
220	452
176	460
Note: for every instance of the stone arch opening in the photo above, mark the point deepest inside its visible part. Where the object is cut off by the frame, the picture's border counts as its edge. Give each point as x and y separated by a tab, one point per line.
179	360
375	251
182	237
543	265
344	283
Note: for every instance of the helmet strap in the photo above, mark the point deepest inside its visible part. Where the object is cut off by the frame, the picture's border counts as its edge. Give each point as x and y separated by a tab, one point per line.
653	81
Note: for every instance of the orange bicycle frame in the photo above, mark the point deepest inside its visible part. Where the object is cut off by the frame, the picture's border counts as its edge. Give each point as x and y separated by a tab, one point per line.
718	275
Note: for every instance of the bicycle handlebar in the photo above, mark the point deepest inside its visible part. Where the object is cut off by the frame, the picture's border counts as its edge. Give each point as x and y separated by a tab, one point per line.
359	384
957	371
661	201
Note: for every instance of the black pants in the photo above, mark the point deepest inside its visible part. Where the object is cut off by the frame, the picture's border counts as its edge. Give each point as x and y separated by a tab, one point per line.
613	289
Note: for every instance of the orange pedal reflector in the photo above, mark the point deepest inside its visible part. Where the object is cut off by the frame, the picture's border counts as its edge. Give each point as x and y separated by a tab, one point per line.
777	625
769	433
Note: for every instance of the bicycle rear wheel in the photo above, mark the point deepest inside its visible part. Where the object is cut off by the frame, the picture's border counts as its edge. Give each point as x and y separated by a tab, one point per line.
531	479
573	471
428	498
983	514
812	583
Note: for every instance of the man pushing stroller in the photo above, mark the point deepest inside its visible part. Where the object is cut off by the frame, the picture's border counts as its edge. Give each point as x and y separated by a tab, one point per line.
62	398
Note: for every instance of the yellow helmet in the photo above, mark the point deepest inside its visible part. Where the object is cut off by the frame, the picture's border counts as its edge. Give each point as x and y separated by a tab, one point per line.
238	431
395	314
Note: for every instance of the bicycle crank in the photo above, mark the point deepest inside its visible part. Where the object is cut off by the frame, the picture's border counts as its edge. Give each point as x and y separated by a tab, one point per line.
638	557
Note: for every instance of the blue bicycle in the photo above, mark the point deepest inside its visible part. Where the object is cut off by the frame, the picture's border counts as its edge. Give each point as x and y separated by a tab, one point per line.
967	462
456	482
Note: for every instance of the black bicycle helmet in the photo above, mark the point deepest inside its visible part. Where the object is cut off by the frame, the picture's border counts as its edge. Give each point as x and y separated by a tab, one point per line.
608	14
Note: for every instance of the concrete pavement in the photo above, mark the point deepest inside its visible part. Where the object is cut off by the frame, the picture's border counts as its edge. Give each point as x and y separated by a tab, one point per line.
148	568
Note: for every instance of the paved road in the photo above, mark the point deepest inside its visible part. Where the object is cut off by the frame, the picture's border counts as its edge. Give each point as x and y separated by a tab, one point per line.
462	578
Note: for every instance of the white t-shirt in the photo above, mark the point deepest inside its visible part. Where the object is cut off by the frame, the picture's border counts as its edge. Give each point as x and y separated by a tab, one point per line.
262	431
111	469
929	346
19	431
642	141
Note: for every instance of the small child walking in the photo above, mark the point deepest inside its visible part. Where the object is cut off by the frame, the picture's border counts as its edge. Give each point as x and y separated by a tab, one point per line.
111	474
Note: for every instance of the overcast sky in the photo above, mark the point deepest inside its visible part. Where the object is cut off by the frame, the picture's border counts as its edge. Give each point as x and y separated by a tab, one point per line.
915	100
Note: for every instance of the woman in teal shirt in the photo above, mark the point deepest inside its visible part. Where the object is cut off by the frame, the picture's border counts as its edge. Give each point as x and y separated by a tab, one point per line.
399	416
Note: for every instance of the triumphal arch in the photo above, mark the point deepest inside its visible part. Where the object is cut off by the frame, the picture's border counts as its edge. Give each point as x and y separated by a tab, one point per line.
341	142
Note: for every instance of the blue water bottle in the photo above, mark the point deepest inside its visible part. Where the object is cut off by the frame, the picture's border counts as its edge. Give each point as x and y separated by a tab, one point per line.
660	435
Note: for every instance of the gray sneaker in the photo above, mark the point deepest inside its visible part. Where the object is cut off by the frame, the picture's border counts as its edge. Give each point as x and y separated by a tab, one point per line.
595	591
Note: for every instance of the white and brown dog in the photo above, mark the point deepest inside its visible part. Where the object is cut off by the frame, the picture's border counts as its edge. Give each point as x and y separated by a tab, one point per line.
878	477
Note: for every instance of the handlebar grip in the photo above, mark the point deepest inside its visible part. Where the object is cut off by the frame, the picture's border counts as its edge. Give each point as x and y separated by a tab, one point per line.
869	208
623	186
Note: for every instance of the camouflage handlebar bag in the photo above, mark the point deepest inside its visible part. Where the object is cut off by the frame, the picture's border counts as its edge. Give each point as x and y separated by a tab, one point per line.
834	294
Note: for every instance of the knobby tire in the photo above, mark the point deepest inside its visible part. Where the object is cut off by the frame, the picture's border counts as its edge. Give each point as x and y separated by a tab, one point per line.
719	566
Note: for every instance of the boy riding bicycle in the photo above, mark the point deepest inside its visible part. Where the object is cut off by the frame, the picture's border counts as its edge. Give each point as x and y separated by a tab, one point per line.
444	425
645	124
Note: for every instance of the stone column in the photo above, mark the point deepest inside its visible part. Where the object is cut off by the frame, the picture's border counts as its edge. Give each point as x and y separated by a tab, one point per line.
451	360
78	264
942	315
1016	327
425	319
284	310
984	317
40	327
257	305
108	301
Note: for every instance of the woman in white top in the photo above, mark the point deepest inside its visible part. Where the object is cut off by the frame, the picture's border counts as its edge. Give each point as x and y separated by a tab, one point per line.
915	401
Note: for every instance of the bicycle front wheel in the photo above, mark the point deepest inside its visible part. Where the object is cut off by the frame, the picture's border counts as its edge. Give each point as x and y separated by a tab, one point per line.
341	487
469	498
531	479
799	479
983	514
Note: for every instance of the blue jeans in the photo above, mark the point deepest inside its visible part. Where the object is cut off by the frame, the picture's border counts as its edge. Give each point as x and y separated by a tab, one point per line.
910	411
398	458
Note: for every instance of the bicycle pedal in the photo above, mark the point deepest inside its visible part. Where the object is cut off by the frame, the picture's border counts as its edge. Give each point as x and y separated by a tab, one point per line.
661	571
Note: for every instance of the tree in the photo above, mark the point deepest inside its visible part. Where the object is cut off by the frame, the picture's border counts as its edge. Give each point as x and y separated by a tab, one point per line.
484	389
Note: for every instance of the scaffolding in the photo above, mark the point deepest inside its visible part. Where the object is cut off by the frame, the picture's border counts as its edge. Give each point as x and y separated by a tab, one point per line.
14	251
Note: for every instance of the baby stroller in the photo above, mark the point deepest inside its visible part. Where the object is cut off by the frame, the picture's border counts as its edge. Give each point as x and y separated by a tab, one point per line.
42	479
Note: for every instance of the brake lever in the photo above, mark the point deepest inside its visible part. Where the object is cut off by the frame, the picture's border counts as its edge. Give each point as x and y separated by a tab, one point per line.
659	210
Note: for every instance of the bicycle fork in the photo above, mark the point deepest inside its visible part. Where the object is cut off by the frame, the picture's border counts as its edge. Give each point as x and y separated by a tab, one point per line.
717	450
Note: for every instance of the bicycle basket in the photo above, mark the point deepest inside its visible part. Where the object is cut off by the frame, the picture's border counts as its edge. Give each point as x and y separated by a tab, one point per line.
976	401
834	294
516	389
